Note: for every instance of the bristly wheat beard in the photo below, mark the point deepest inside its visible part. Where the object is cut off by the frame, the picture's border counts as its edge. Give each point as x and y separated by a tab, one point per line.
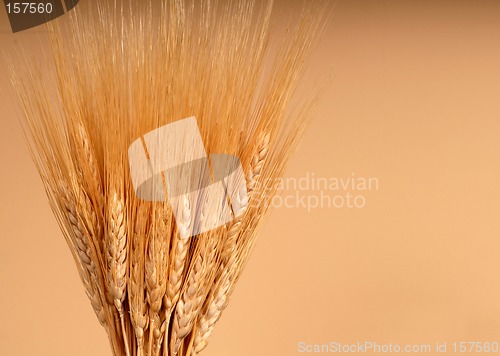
119	70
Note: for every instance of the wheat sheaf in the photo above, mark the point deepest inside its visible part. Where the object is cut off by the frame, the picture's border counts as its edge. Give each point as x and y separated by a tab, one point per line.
119	70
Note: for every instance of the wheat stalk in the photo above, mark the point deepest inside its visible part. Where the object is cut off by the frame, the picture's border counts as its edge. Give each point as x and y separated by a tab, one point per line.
158	276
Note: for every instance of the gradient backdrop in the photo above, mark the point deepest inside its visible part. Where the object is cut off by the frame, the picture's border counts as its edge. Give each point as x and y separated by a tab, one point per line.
415	104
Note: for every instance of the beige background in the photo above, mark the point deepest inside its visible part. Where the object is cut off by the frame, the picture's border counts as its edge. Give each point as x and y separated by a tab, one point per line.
415	103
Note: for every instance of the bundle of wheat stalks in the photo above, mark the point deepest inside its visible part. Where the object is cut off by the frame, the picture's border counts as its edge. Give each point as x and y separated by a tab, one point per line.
117	71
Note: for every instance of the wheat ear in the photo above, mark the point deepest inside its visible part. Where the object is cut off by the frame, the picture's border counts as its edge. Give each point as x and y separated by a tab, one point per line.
137	301
218	296
198	280
216	303
156	274
91	167
188	303
257	163
177	266
82	244
233	229
116	248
